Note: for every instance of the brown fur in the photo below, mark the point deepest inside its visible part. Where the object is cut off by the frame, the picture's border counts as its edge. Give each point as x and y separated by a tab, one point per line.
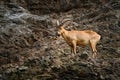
80	38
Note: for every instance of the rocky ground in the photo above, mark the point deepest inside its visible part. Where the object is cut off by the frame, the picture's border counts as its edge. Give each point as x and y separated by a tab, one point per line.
29	49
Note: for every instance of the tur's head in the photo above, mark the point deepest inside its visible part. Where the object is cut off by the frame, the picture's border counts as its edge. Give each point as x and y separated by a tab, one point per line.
61	26
60	31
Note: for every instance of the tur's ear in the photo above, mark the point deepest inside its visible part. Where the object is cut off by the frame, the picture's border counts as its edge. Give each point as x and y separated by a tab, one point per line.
58	23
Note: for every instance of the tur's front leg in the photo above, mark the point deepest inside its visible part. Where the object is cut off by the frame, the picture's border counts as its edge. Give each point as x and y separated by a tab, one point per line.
74	46
72	51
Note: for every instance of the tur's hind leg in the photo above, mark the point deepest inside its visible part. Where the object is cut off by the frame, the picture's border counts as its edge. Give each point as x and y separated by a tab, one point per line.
93	47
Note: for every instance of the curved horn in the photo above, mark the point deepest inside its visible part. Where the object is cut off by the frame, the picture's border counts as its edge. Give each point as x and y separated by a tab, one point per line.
64	22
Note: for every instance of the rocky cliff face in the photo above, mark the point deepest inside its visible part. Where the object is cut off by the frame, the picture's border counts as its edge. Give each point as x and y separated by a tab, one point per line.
29	48
45	7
